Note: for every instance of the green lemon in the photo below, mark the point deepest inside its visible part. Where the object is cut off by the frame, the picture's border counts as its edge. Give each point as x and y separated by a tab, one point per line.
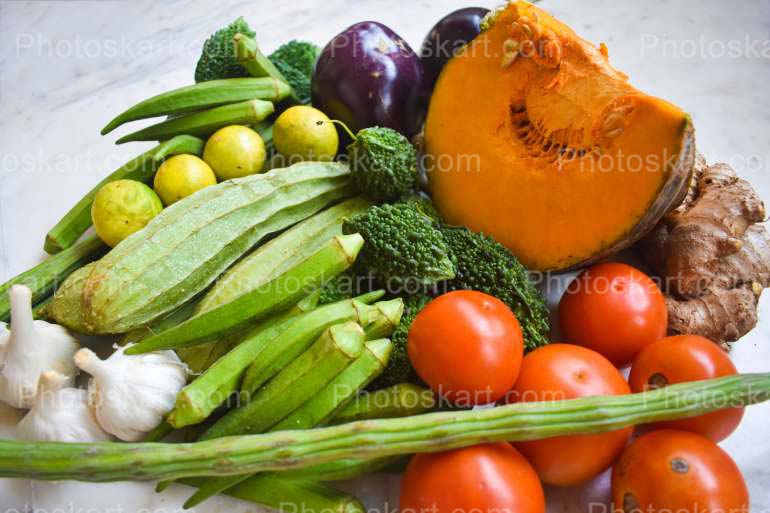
305	133
235	151
121	208
180	176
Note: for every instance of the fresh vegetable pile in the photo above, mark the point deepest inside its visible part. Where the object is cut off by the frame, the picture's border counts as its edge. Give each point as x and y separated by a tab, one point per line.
292	312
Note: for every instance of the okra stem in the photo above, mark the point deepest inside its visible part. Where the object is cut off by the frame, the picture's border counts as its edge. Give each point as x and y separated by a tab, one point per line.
45	277
282	450
205	122
278	294
201	96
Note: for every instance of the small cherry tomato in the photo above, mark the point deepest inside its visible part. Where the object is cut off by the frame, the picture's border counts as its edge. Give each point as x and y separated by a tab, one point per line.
483	478
558	372
678	360
467	346
613	309
678	471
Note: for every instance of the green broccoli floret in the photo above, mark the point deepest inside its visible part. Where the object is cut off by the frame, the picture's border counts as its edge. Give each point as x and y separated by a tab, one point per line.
383	163
217	59
485	265
404	250
296	62
399	368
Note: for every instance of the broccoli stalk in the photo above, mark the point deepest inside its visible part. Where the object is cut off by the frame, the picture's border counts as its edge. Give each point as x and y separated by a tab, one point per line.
217	59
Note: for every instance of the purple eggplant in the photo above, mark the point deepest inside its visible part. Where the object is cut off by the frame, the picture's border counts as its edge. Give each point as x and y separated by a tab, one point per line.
446	37
368	75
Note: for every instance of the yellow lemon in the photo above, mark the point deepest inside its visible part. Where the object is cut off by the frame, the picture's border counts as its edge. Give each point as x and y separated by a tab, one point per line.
235	151
121	208
303	133
180	176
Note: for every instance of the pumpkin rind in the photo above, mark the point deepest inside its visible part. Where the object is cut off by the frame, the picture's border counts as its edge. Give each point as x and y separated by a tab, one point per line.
533	138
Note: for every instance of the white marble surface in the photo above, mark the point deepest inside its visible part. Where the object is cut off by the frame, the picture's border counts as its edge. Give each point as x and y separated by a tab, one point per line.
67	67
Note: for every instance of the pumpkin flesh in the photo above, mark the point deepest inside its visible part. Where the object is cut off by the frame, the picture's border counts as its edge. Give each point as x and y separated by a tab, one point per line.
555	155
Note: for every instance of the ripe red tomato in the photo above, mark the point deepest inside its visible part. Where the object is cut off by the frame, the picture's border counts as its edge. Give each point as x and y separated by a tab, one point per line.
467	346
562	371
613	309
678	471
686	358
483	478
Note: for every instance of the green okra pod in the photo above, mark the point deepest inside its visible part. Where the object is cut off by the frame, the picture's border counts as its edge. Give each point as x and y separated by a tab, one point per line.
281	253
254	271
204	122
299	381
45	277
278	344
278	294
291	495
341	390
385	319
303	378
277	357
440	431
201	96
142	169
400	400
317	409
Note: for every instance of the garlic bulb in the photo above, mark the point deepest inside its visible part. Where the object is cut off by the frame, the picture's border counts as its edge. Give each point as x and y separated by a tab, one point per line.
5	334
131	393
33	347
60	414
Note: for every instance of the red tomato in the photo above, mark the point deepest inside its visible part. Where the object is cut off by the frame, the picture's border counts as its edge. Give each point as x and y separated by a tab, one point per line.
613	309
687	358
483	478
561	371
467	346
680	472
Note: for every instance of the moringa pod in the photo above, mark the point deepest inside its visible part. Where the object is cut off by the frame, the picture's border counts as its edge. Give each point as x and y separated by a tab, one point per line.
188	245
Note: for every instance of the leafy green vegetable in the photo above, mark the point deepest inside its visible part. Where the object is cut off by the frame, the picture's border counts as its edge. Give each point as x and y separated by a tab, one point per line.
487	266
383	163
403	249
296	62
217	59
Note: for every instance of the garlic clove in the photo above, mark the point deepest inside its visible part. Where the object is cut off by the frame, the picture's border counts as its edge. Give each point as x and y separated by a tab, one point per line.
60	413
32	348
131	394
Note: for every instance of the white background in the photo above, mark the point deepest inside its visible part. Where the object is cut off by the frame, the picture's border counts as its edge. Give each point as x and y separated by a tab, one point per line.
67	67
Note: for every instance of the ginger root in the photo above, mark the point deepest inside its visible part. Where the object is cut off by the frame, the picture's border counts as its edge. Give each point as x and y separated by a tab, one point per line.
713	256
